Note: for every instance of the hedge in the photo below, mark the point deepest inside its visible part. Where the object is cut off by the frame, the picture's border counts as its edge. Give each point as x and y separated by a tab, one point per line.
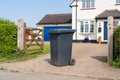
8	37
116	47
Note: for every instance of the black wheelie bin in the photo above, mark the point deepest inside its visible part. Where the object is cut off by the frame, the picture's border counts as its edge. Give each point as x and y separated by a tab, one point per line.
61	47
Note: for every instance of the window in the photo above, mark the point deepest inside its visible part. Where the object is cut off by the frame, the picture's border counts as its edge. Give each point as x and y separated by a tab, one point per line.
117	1
92	3
116	23
92	26
82	26
88	3
86	26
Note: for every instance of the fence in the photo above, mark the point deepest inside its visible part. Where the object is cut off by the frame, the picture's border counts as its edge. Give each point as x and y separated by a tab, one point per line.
29	39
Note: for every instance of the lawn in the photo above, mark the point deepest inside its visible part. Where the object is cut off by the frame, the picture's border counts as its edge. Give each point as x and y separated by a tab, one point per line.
26	56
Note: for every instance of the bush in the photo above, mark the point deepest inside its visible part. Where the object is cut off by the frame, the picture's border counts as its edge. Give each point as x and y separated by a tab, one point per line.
116	63
116	43
116	47
8	37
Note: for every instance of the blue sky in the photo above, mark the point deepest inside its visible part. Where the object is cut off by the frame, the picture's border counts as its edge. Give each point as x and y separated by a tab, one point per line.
32	11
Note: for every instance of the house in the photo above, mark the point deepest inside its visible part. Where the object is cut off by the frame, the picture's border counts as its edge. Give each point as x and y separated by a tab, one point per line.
55	21
89	18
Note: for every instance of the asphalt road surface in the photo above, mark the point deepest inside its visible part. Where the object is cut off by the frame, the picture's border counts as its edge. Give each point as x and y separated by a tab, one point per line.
40	76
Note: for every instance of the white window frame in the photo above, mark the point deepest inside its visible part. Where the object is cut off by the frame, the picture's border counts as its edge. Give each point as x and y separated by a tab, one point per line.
86	26
88	3
117	1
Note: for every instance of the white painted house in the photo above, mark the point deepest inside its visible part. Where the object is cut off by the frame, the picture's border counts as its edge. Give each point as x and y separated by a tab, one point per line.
89	18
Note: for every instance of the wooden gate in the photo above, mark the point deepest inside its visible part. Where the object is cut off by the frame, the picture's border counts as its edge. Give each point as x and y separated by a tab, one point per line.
34	38
29	39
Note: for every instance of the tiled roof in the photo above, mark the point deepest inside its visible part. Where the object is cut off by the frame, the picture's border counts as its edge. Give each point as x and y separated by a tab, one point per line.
56	19
115	13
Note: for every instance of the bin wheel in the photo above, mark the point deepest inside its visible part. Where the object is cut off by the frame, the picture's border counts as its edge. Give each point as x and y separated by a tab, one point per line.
72	62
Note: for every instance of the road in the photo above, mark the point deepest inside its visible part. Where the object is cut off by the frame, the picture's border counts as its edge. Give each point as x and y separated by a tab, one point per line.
40	76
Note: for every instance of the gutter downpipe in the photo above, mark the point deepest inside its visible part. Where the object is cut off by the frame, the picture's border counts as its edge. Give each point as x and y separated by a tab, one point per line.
76	20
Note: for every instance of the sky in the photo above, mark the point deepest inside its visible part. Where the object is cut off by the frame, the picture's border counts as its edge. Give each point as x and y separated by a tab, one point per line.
32	11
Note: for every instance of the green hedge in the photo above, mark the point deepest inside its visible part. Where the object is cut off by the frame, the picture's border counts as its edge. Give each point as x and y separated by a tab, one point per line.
8	37
116	47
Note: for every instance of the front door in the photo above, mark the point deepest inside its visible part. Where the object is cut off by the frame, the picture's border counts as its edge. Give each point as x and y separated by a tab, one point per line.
105	31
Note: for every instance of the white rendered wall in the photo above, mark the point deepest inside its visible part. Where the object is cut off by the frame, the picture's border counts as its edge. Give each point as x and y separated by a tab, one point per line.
90	14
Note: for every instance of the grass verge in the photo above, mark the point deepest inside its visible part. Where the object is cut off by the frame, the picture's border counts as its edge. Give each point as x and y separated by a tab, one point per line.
25	56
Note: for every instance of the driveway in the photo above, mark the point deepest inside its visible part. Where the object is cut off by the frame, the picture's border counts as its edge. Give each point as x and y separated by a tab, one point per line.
90	62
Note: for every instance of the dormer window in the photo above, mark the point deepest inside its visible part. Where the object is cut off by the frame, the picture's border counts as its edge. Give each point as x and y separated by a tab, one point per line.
88	3
117	1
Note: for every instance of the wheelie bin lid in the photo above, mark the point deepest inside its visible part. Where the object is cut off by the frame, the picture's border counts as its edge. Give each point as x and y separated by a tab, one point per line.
58	31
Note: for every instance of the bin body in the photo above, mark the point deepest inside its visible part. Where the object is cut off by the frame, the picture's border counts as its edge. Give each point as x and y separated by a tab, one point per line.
61	46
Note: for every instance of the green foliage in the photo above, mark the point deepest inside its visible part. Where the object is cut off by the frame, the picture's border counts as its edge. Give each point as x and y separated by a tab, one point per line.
19	55
116	48
8	37
8	44
116	41
116	63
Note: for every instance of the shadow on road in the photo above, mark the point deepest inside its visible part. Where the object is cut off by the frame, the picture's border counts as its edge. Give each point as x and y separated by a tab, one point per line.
100	58
48	60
